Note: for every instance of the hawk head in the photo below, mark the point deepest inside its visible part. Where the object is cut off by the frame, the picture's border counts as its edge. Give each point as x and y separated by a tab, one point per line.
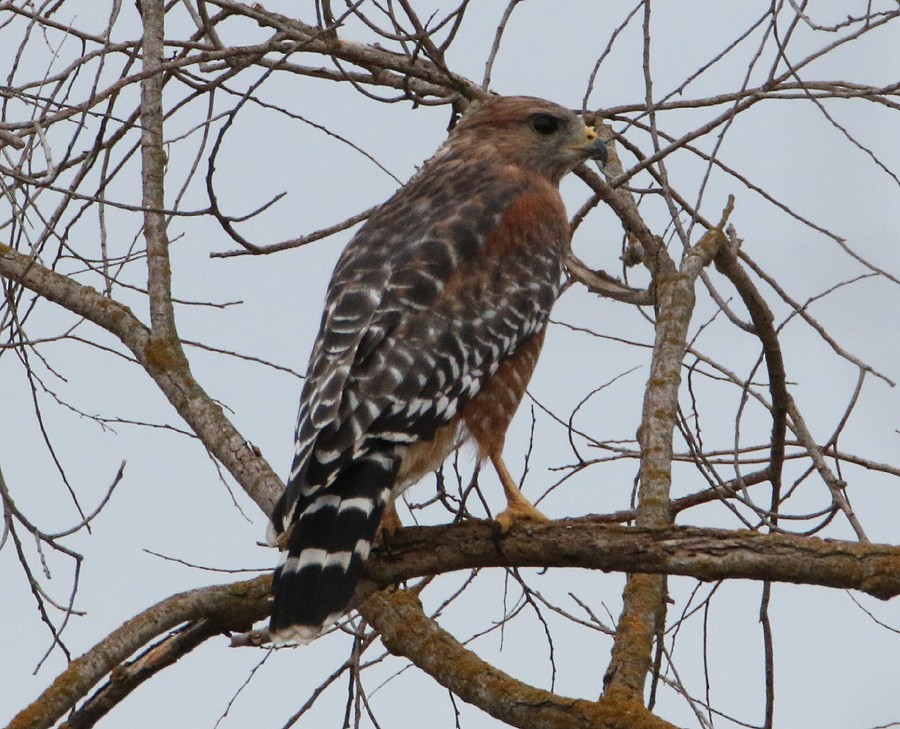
535	134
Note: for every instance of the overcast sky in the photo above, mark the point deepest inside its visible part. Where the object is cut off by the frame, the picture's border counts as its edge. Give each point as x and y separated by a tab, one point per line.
836	669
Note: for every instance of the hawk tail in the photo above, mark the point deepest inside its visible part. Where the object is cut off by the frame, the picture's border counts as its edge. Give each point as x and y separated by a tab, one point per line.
327	547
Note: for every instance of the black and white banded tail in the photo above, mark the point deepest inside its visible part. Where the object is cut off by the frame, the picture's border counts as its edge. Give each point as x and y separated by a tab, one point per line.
327	546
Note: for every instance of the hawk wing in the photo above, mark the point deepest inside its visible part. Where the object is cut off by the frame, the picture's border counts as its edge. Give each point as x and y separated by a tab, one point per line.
426	301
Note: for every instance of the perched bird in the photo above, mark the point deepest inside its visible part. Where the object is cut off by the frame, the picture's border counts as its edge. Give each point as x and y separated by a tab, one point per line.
433	322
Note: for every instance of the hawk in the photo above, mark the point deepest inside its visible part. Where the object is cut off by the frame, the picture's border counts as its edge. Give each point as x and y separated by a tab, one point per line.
433	322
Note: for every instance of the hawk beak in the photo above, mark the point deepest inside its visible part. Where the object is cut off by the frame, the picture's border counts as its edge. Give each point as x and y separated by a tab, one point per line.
593	147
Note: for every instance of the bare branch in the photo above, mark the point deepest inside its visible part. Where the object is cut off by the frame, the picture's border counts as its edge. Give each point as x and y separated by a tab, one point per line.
229	607
174	378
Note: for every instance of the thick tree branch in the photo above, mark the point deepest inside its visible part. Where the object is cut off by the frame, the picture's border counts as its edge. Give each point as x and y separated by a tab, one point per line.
704	554
407	631
126	677
153	172
644	598
230	607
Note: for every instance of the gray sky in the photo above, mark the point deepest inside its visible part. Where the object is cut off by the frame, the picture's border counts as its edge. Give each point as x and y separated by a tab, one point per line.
836	669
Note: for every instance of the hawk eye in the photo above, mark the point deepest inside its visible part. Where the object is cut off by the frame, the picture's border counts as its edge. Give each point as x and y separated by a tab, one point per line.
545	123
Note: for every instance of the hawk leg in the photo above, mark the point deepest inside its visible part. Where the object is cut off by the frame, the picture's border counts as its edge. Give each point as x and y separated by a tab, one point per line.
518	508
390	523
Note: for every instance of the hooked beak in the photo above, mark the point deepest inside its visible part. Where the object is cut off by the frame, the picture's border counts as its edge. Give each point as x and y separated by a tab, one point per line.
593	147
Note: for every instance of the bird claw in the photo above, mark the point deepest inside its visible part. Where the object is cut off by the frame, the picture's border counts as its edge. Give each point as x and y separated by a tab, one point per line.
517	512
389	525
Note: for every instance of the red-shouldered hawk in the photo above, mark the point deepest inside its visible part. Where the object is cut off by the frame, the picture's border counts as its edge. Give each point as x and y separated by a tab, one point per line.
433	322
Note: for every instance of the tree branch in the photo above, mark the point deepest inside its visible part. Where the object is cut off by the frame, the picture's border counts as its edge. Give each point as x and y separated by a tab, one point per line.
704	554
407	631
126	677
153	172
173	377
643	610
230	607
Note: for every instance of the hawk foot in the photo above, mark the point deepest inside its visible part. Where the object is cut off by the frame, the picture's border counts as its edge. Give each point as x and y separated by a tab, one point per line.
519	511
390	524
